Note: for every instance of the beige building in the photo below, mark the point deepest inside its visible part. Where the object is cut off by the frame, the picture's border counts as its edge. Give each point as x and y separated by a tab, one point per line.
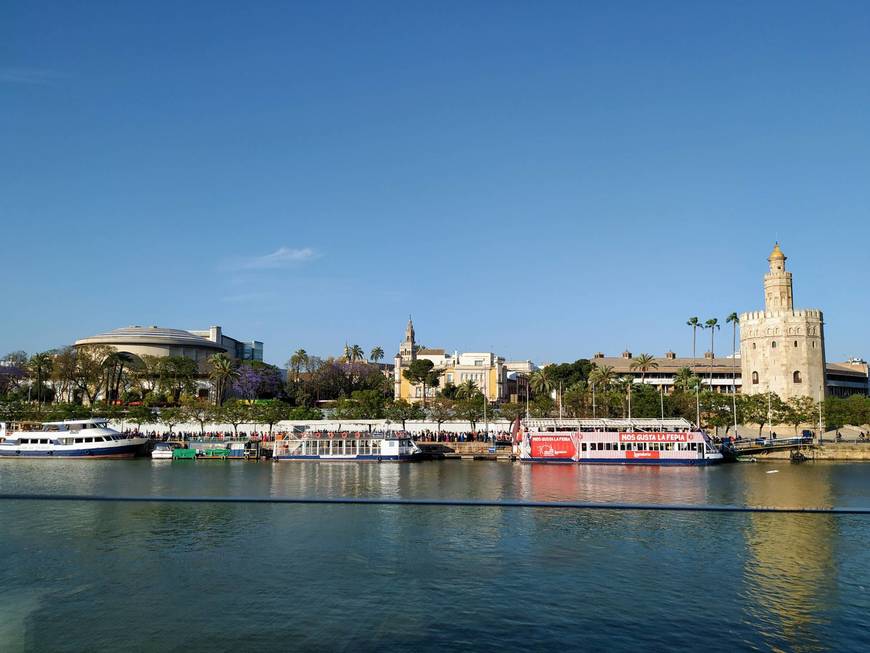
782	349
486	370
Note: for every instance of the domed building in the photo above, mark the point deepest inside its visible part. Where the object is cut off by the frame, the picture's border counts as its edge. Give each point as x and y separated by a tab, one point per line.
133	342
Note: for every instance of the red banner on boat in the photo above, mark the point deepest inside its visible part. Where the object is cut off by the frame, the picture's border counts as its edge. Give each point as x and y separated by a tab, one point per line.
654	436
553	446
641	454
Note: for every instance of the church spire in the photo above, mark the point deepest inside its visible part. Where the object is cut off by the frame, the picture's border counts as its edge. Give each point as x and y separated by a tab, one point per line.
408	349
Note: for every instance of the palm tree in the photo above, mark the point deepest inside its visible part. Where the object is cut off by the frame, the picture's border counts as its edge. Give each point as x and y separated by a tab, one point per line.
467	389
683	378
644	363
376	354
223	371
623	385
734	320
695	323
357	353
298	361
541	382
602	376
712	324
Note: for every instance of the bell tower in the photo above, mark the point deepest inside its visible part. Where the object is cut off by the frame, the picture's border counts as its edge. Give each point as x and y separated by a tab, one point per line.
408	348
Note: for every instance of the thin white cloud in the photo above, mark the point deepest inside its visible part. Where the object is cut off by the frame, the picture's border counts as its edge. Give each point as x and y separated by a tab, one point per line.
32	76
283	257
280	258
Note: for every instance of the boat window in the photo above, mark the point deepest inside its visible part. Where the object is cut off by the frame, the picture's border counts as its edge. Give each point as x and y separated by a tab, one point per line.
79	440
583	446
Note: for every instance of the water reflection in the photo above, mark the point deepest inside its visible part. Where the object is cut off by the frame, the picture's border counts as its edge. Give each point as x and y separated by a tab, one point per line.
789	572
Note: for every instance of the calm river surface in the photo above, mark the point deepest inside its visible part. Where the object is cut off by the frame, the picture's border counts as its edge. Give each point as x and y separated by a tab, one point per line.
223	577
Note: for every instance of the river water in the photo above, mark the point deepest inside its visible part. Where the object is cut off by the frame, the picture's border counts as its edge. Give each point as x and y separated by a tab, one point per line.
237	577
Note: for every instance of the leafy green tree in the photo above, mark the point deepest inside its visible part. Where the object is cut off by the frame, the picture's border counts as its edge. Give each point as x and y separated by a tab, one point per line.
198	410
169	417
441	410
542	406
470	410
569	374
235	412
177	375
222	372
271	413
90	371
576	399
510	411
421	372
800	410
39	366
140	415
401	410
362	404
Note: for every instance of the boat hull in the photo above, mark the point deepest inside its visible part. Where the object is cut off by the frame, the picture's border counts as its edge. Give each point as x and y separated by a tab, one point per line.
675	462
363	458
125	451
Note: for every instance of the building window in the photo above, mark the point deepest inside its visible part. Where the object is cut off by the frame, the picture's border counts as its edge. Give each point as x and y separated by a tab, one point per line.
773	344
796	377
755	378
753	345
795	343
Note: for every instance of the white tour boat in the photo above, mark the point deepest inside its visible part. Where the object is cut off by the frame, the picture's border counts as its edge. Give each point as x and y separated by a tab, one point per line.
616	442
338	446
79	438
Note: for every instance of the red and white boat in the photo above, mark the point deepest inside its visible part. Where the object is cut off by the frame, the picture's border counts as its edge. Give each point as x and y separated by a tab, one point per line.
615	442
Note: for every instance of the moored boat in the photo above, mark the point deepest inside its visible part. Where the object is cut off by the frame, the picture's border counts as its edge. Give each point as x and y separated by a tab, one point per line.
80	438
344	446
162	451
616	442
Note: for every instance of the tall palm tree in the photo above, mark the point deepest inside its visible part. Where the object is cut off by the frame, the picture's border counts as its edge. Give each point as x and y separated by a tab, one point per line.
376	354
644	363
541	382
695	323
467	389
298	361
734	320
357	353
712	324
222	372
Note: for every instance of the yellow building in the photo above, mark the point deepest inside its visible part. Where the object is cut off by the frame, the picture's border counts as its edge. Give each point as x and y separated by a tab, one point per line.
486	370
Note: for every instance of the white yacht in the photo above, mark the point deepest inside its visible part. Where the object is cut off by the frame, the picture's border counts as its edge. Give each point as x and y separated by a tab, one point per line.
78	438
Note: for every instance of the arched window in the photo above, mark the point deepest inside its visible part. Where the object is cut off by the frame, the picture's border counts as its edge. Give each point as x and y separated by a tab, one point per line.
795	343
755	378
796	377
753	345
773	344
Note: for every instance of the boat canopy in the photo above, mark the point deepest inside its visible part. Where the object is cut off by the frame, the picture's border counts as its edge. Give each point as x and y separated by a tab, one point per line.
670	424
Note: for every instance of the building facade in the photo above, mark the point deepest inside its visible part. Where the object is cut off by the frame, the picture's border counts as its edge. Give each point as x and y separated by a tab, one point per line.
782	349
486	370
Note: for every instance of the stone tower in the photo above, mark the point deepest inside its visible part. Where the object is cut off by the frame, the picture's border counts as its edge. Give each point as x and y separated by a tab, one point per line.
782	350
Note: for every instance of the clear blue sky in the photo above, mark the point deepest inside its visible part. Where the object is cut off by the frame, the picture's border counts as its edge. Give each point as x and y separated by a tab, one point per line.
544	179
